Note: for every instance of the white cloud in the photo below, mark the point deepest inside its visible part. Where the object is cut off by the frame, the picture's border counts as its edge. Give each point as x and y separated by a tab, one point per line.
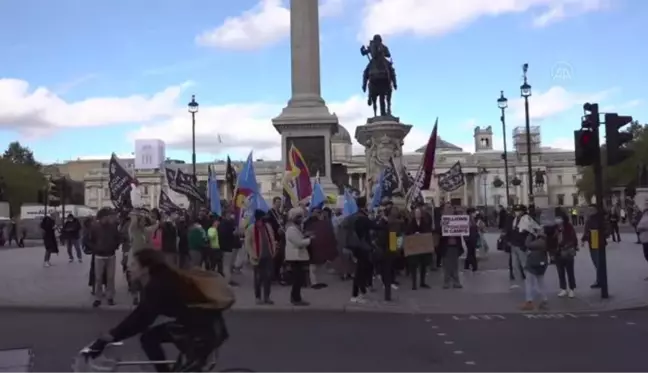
562	143
556	100
234	124
265	24
438	17
38	110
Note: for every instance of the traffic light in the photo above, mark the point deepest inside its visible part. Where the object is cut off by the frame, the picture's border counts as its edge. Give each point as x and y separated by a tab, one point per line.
617	140
591	117
587	148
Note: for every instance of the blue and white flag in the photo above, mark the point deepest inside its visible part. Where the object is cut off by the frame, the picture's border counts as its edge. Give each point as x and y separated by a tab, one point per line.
350	206
214	193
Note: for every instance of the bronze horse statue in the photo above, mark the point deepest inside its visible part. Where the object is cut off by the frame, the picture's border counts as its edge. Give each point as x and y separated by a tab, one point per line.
379	76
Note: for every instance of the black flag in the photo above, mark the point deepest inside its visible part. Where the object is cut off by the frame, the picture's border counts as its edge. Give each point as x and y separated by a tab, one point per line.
452	179
184	184
392	185
119	184
166	205
230	176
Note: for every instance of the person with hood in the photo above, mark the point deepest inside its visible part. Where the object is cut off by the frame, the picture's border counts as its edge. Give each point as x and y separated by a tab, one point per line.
48	226
105	241
297	253
70	234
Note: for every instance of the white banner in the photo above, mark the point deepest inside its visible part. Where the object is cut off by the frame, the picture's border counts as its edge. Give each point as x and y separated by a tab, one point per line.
455	225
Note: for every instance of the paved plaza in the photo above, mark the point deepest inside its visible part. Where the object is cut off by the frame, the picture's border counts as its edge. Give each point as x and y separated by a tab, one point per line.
64	286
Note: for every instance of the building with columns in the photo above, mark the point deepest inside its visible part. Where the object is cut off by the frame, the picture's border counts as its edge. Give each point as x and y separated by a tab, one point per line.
480	168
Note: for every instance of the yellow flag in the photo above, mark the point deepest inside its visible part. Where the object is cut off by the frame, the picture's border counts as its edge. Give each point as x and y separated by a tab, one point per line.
393	242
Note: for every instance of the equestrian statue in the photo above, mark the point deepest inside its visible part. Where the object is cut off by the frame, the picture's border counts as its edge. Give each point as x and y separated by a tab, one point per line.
379	75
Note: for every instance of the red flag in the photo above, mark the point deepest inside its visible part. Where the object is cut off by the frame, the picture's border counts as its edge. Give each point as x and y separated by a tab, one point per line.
429	157
299	174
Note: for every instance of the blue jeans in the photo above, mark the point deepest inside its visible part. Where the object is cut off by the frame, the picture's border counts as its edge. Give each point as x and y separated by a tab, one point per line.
77	248
518	262
534	285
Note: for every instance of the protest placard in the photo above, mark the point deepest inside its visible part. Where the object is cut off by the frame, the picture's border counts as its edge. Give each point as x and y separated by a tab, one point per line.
455	225
422	243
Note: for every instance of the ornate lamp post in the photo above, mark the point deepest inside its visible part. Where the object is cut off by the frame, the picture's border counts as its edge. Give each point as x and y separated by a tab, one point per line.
193	109
502	103
525	92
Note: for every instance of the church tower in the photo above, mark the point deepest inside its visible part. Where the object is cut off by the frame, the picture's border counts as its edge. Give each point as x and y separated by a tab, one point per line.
483	139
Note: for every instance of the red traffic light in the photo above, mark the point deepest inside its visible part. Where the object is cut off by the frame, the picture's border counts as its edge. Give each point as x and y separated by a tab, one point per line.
586	138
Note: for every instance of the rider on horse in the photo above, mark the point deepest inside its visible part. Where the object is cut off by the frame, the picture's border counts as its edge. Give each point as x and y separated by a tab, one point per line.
380	64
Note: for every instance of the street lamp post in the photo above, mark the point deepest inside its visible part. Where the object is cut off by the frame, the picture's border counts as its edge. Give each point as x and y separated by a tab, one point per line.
193	109
525	91
502	103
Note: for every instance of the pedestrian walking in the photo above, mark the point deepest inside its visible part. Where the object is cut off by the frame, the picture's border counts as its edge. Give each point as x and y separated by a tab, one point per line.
48	227
260	245
70	234
105	241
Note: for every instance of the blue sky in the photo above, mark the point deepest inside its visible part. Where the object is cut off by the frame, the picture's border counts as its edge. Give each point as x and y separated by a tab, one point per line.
79	80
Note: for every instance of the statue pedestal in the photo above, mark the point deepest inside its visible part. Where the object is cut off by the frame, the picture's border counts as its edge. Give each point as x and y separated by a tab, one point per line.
382	138
309	129
541	199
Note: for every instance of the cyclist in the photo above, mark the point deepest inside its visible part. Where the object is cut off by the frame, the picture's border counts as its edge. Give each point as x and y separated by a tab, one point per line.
196	331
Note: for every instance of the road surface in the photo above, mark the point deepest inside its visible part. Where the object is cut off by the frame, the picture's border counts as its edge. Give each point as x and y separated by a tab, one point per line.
334	341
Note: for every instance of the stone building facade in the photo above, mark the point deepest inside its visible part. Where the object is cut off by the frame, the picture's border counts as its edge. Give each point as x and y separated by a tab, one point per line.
480	168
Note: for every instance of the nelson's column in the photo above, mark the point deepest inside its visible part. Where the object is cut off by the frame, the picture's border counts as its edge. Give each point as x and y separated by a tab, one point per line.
306	122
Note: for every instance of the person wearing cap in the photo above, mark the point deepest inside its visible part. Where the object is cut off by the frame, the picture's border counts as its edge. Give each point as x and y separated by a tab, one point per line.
296	253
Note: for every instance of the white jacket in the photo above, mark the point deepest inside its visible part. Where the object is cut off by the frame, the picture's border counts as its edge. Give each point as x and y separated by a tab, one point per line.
296	244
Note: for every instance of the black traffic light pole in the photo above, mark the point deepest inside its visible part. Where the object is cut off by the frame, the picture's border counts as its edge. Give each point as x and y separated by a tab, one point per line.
601	270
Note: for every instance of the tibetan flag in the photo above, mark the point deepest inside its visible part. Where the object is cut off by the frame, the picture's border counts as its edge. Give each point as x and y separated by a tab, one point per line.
298	177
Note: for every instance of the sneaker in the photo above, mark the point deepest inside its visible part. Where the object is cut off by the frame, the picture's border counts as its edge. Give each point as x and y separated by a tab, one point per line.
80	260
571	294
259	301
457	286
268	302
394	287
47	264
359	300
300	303
514	286
425	286
562	293
96	303
71	260
595	286
527	306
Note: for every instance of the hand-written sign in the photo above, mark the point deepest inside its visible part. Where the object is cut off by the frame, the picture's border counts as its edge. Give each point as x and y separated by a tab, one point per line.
415	244
455	225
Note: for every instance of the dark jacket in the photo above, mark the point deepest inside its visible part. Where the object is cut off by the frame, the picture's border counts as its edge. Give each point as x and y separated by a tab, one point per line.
363	227
446	242
592	223
71	229
164	295
226	236
104	239
424	226
169	238
48	225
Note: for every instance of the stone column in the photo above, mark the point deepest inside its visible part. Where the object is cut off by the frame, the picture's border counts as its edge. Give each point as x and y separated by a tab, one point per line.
465	195
305	54
476	190
306	121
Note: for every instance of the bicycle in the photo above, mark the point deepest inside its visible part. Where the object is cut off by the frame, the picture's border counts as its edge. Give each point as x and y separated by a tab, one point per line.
106	363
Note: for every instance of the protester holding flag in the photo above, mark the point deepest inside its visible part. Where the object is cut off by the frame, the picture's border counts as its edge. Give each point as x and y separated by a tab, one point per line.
276	221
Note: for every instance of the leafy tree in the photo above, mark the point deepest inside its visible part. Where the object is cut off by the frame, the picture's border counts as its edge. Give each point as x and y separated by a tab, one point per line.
19	154
22	183
626	174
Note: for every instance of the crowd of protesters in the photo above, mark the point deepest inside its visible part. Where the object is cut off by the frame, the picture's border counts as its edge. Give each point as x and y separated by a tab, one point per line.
292	247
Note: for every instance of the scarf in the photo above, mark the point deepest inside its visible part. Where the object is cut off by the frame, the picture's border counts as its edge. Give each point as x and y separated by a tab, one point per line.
261	237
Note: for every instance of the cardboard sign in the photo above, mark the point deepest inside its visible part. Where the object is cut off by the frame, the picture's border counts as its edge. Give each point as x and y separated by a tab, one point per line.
455	225
415	244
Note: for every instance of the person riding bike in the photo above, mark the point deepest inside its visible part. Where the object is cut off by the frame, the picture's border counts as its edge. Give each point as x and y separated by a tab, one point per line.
196	331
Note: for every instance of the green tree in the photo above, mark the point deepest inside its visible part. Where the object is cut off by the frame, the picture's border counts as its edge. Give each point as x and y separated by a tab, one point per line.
625	174
22	183
19	154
